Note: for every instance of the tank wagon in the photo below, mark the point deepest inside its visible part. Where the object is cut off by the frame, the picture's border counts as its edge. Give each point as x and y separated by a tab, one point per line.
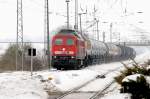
73	50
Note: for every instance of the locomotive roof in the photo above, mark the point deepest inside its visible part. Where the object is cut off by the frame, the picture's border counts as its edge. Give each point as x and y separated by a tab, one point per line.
66	31
69	31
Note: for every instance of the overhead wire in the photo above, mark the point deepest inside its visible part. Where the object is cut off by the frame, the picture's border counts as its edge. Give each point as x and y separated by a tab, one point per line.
124	9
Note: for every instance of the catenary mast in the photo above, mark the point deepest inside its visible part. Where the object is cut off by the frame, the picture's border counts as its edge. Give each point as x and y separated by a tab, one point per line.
76	15
47	32
19	38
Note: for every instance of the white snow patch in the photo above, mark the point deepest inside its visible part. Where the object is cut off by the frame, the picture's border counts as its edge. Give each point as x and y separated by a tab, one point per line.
118	96
131	77
67	80
147	79
148	67
20	85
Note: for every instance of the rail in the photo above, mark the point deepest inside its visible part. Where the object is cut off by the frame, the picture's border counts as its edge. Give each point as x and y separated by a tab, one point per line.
100	92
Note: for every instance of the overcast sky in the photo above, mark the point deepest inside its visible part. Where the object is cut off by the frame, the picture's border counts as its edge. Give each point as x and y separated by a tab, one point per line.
108	11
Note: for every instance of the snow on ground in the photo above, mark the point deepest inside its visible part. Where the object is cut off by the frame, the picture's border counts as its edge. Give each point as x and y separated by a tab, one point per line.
103	68
96	85
117	96
20	85
66	80
132	77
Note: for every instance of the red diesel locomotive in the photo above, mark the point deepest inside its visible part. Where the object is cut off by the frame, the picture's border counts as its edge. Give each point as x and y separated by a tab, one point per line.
68	50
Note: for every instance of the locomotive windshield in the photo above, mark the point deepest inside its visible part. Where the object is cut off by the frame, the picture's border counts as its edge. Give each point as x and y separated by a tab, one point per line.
58	41
70	42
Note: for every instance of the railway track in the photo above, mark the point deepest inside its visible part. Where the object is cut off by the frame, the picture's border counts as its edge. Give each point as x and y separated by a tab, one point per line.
92	95
75	89
101	92
86	95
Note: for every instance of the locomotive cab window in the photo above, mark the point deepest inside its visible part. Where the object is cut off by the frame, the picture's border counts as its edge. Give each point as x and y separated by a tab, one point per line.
70	42
58	42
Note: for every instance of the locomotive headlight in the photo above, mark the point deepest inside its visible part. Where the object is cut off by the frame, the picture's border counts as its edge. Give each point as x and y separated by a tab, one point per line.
54	56
63	49
71	52
72	57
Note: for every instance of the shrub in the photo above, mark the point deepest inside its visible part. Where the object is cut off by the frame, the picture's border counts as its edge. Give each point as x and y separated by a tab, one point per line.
135	69
8	59
139	88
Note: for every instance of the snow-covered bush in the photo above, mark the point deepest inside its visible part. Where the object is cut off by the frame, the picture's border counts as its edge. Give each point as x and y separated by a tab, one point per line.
131	71
137	85
133	80
135	69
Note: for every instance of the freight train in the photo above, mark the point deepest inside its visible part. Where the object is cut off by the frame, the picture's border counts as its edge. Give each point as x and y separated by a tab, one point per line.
73	50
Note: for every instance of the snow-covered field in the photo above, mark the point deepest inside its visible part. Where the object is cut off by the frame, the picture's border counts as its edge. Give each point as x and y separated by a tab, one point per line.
20	85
